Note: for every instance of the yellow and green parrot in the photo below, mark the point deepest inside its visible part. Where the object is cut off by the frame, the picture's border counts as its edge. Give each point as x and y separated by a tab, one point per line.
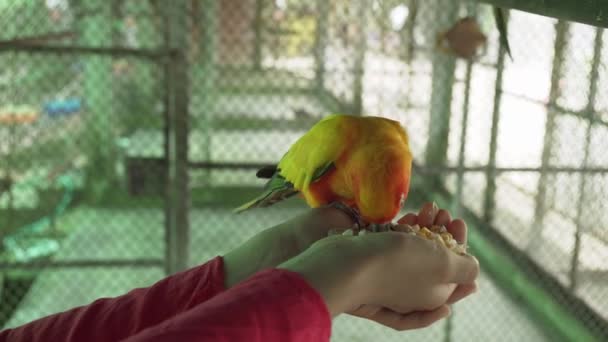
361	164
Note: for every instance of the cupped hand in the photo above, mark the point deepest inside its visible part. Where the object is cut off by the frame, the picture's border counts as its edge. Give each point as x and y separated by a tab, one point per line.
396	279
428	215
285	241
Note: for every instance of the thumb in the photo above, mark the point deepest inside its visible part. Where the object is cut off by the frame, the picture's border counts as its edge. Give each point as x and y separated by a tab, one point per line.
462	269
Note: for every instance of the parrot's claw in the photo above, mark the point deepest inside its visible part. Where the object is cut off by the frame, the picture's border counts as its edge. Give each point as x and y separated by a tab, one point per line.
360	225
351	212
375	227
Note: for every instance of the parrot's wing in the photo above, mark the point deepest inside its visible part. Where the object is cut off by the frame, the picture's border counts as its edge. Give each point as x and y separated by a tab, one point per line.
276	190
320	172
315	153
308	159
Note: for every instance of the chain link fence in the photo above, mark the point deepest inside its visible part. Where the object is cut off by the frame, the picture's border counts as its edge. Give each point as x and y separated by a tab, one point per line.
129	129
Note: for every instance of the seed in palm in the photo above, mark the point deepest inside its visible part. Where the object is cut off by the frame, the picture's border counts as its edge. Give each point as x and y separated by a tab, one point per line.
439	234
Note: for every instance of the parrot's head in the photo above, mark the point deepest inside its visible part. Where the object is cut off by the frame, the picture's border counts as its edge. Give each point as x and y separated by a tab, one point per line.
381	199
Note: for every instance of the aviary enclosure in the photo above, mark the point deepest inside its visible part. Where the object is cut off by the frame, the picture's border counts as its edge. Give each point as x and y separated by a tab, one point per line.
130	129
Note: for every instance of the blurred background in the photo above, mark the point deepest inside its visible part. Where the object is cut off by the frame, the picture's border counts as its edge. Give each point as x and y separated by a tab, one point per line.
130	129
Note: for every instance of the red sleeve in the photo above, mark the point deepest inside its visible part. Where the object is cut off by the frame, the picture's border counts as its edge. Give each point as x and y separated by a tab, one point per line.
112	319
273	305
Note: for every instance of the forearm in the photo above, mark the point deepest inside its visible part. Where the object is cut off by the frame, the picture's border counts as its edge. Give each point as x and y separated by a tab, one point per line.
282	242
112	319
250	257
273	305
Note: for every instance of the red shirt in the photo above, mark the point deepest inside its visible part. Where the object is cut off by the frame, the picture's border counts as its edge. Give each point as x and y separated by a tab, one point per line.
272	305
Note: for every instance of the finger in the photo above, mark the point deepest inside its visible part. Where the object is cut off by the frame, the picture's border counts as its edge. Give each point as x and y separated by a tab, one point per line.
461	269
412	320
410	219
462	291
366	311
427	214
458	229
443	218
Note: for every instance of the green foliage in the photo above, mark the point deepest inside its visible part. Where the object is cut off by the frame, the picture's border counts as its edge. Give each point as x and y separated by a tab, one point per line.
136	105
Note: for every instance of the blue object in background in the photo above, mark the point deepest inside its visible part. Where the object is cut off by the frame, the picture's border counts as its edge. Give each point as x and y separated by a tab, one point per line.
59	108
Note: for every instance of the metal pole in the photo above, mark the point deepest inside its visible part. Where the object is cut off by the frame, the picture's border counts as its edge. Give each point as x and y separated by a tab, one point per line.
593	80
457	207
167	103
409	50
489	203
40	38
463	140
95	32
143	262
409	30
178	191
457	203
258	28
359	62
323	8
561	33
86	50
209	74
591	12
429	170
444	67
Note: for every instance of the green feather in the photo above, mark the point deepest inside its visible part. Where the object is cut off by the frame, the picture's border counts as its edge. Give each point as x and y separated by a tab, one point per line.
320	172
278	189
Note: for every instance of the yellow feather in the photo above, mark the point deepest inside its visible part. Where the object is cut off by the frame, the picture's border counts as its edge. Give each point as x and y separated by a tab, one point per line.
323	143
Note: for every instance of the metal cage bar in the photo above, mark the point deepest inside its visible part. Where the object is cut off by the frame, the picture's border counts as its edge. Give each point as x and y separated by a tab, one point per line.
580	224
561	39
177	201
489	204
591	12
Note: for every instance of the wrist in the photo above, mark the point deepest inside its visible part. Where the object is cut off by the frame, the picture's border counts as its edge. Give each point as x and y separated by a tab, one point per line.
334	271
250	257
316	223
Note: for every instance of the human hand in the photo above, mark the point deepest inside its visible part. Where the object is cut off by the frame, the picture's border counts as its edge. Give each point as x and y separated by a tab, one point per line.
405	276
428	215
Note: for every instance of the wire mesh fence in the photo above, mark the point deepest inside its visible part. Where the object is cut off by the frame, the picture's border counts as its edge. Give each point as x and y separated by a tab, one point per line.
131	128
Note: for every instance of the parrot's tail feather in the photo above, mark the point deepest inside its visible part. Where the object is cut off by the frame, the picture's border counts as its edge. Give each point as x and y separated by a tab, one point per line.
248	205
267	199
267	171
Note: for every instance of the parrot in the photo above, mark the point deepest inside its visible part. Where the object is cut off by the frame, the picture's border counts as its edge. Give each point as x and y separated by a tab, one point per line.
360	164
